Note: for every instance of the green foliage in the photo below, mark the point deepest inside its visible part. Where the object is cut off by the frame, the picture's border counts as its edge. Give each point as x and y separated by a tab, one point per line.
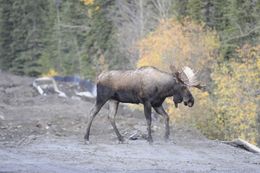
236	21
102	43
28	35
66	51
23	29
40	35
6	26
195	9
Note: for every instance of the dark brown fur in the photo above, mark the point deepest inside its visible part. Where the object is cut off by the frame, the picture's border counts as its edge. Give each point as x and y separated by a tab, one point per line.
147	85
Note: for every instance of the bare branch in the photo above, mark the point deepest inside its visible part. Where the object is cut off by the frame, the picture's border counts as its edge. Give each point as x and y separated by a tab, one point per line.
243	35
82	27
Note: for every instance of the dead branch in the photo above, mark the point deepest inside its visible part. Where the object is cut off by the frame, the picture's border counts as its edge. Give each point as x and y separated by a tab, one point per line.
240	143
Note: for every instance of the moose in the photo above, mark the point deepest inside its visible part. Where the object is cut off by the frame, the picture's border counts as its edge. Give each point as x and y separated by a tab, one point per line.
146	85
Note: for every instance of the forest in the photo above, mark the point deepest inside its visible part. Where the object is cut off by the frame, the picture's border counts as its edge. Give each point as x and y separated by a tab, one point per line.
219	39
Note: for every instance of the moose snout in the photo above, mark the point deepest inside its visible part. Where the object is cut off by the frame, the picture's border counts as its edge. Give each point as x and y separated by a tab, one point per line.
189	103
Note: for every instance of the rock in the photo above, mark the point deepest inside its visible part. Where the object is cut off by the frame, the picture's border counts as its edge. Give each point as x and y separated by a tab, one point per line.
39	125
134	136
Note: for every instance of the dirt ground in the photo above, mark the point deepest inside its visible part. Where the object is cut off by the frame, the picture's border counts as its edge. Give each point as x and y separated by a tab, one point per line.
45	134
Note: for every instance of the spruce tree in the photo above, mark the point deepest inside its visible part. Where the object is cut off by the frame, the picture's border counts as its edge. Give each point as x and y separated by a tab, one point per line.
6	38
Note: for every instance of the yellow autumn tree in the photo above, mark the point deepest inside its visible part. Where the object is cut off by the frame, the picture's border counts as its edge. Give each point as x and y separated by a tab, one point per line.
186	43
235	98
50	73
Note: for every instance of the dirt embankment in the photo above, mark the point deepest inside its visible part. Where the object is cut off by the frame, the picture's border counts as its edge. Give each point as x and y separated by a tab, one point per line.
45	134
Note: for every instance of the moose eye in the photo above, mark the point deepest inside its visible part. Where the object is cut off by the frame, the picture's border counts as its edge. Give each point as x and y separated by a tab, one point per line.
184	88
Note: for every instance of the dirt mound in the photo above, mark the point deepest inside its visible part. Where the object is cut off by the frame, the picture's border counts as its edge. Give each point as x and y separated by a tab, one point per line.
45	134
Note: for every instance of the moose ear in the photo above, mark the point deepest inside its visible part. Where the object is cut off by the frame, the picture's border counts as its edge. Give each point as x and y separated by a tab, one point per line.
201	87
175	73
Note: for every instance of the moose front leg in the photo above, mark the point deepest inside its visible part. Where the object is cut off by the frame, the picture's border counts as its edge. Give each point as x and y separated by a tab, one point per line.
160	110
147	113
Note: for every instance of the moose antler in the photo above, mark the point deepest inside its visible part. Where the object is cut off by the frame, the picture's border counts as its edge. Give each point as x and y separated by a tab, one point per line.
190	77
187	76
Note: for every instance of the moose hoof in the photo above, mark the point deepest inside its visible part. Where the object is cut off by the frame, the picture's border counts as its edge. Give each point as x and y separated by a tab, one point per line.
150	140
166	139
121	140
87	142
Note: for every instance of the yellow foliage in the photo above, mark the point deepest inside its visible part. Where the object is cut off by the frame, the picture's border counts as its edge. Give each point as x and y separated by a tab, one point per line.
88	2
92	7
50	73
178	43
97	8
235	102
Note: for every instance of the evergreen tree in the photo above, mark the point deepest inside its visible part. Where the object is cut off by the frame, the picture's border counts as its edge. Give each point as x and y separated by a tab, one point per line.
181	8
194	9
6	38
236	21
27	33
67	50
102	43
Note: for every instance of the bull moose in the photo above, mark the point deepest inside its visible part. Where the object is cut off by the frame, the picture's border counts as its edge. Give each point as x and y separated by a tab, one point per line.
146	85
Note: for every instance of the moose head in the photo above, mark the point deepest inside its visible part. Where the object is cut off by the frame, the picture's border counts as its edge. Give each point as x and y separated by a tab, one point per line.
186	78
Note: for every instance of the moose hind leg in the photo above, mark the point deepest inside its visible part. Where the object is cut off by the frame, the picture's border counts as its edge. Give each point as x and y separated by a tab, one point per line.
113	107
94	111
160	110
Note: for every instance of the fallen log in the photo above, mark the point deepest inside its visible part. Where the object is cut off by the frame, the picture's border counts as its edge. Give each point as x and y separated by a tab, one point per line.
51	83
240	143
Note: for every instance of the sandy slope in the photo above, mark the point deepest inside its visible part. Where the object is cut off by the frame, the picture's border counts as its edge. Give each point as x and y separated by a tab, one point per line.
45	134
